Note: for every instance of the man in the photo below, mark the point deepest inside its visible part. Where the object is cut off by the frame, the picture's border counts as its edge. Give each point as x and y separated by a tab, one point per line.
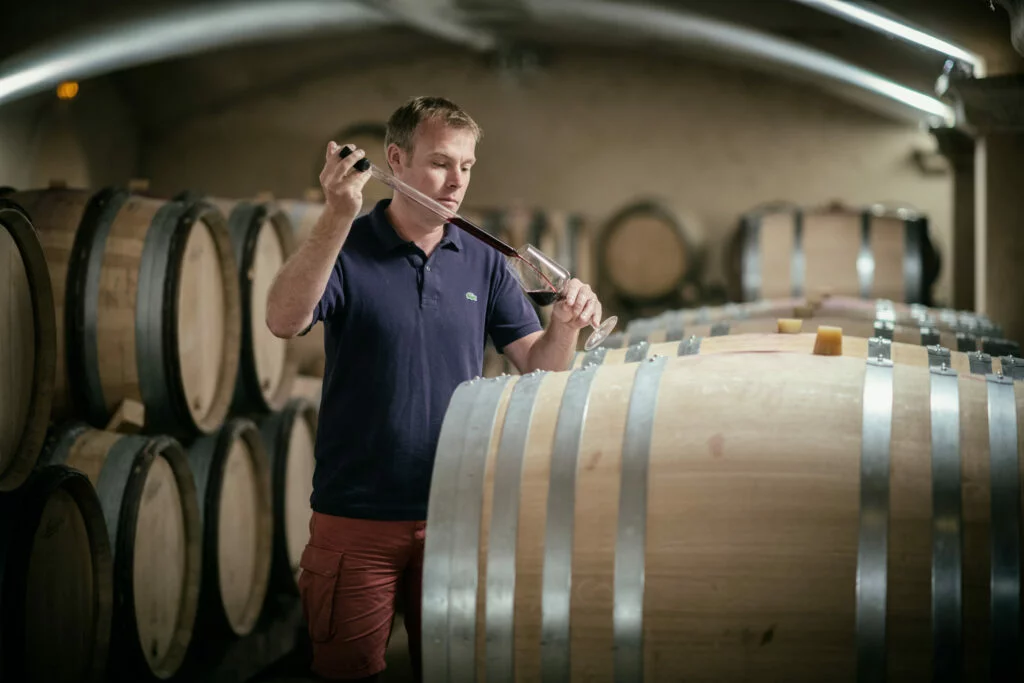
406	302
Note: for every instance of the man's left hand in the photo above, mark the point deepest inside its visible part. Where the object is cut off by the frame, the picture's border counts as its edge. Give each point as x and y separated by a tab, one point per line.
578	308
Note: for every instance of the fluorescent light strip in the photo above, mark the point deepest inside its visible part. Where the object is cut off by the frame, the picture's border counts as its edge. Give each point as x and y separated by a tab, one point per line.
866	17
762	49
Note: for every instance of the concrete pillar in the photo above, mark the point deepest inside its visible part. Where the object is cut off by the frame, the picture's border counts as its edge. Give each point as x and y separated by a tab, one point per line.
999	243
959	149
992	109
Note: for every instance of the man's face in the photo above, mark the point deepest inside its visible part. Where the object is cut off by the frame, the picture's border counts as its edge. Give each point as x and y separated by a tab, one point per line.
439	164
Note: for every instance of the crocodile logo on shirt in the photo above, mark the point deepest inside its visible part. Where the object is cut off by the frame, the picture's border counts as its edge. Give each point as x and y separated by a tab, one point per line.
471	296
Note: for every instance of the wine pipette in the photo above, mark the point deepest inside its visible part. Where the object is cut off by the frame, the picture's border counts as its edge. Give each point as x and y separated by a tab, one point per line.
430	204
450	216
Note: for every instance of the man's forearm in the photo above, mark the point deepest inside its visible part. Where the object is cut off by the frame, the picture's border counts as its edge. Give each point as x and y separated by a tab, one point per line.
301	281
554	349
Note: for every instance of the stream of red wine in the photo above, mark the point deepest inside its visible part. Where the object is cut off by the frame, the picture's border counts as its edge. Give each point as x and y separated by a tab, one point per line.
483	236
543	297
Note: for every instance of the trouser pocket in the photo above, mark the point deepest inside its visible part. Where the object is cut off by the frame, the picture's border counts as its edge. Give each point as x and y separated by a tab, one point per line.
317	583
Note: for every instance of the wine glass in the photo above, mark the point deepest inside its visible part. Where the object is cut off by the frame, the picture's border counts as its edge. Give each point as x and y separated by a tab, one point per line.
544	281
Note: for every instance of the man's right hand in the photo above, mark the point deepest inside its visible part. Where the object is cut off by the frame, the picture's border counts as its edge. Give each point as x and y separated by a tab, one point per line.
341	183
302	280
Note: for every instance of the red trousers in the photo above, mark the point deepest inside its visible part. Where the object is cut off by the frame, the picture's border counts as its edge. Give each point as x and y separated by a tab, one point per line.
352	570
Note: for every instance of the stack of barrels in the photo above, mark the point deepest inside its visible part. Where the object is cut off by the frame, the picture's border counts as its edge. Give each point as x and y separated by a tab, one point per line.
155	462
786	490
962	331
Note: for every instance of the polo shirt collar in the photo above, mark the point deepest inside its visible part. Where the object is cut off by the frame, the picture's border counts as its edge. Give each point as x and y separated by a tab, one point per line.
391	240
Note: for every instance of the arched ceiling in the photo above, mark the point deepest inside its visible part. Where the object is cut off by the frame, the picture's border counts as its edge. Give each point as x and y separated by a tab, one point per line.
170	87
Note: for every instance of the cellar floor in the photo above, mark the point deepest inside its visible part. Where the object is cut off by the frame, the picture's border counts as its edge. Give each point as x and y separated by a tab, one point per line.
294	668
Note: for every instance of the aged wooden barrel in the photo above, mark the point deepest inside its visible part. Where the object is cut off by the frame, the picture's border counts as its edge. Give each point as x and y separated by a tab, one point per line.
149	306
232	475
731	319
575	247
56	580
807	342
28	345
646	254
148	496
302	214
290	437
562	235
519	225
871	253
911	315
750	515
968	322
308	348
263	239
865	329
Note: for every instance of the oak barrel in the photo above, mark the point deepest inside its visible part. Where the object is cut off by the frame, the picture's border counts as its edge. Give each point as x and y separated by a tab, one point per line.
575	248
302	214
148	496
871	253
857	321
232	475
806	342
308	348
148	306
263	239
646	255
290	438
518	225
56	580
28	345
914	315
743	516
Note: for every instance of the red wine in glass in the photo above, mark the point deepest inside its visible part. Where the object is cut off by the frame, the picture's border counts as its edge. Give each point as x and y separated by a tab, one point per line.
543	297
544	280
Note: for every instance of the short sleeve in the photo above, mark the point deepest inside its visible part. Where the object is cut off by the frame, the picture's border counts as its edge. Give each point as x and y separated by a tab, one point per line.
511	316
333	298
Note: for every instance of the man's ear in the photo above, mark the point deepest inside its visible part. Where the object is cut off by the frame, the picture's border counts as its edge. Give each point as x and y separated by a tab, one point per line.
394	156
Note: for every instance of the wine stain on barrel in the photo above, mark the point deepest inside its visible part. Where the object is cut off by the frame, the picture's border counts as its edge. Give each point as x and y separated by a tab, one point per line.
716	444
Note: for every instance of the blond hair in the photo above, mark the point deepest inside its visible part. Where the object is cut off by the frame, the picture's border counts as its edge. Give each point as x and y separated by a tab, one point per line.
403	122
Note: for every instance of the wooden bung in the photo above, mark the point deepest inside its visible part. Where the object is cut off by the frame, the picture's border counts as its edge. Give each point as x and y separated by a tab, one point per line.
790	325
828	341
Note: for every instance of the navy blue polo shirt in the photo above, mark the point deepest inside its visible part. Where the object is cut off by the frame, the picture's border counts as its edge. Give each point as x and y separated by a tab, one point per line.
401	332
